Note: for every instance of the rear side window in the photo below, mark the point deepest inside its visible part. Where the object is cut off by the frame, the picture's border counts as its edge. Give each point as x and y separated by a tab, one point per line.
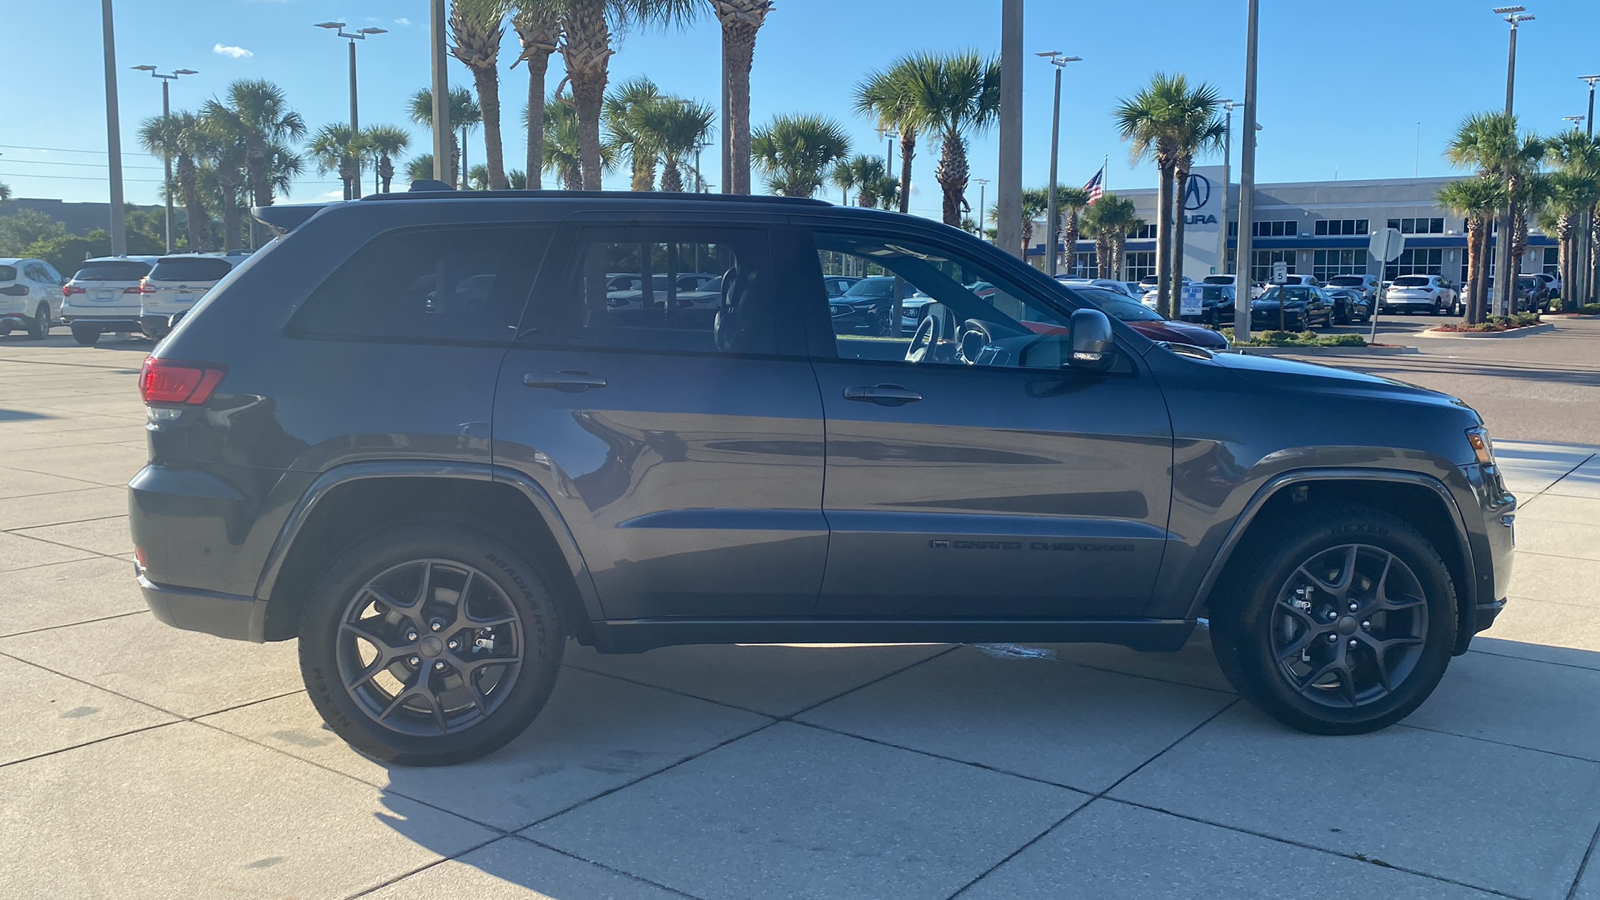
425	285
192	269
8	273
112	270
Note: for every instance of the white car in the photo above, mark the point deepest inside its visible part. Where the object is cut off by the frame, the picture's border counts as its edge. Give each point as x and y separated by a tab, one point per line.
104	296
175	284
1233	282
1365	285
1292	280
27	287
1421	293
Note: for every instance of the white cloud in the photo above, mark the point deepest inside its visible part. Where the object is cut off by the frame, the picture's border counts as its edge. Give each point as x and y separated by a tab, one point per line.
235	52
331	195
403	21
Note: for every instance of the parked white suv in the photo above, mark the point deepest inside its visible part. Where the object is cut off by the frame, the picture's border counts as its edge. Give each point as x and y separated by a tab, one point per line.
104	296
175	284
1256	289
1421	293
1365	285
27	286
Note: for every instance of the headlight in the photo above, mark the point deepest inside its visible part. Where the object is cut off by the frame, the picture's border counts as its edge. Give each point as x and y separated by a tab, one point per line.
1482	447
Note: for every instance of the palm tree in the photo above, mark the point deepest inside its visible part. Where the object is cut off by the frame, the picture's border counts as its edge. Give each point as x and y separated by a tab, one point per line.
1035	203
464	116
674	127
538	27
888	191
1170	122
1477	200
796	152
476	33
177	137
862	174
740	20
420	168
884	94
623	112
336	148
5	192
259	117
517	180
952	96
383	143
1070	202
588	25
1574	190
1491	143
562	153
1109	220
219	144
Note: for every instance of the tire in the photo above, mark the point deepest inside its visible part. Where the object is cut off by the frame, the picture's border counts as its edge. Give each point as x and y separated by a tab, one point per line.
508	590
1256	622
85	334
39	325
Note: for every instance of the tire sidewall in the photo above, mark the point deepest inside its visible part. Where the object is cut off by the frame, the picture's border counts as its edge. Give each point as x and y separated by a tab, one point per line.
1245	630
543	641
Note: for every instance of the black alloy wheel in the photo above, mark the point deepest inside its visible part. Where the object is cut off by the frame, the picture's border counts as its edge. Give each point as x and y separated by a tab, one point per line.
39	325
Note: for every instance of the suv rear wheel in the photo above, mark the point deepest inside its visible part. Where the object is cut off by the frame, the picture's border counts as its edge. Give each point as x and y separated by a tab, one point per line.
39	325
1344	625
430	645
85	334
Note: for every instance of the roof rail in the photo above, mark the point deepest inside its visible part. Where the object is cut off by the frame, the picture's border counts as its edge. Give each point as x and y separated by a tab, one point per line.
446	193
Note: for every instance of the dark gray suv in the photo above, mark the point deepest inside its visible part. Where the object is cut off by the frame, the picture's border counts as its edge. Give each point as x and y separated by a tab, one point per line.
420	434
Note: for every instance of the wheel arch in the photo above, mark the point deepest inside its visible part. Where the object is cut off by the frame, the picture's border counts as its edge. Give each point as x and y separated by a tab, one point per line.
348	503
1420	500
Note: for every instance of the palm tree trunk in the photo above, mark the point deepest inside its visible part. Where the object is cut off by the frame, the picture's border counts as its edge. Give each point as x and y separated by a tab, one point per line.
1119	256
231	239
672	177
586	52
740	23
487	81
1069	239
193	208
538	67
952	175
1164	240
908	149
1478	269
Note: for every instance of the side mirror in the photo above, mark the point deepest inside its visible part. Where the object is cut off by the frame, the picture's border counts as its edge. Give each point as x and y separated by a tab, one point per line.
1091	340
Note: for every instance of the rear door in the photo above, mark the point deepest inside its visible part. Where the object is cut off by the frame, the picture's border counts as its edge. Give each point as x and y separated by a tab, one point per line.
680	440
983	480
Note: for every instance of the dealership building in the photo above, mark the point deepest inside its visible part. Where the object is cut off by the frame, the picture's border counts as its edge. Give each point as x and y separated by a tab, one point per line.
1317	228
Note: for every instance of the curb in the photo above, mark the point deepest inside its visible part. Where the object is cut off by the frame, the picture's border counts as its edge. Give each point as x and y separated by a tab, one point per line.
1325	351
1513	333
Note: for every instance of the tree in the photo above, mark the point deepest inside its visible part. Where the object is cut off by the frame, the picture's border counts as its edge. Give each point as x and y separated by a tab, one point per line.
796	152
464	116
1574	191
888	191
623	113
885	95
24	227
257	116
222	170
1035	204
563	153
335	148
1491	143
475	33
383	143
1170	122
177	136
1070	202
862	174
1109	220
674	127
538	27
740	20
420	168
66	251
5	192
1477	200
952	96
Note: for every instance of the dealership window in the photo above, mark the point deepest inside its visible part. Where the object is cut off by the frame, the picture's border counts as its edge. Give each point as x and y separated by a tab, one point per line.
1341	226
1327	263
1552	261
1261	263
1083	265
1418	226
1233	229
1416	261
1233	261
1143	233
1140	263
1277	228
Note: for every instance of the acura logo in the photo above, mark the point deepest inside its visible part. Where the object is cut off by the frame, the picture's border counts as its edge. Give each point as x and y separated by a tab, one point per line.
1197	193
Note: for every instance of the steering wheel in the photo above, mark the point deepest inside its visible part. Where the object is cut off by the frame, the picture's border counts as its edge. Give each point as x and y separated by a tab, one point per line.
929	333
975	335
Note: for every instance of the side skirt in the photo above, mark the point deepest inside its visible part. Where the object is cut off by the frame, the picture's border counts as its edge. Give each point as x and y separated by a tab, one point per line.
639	635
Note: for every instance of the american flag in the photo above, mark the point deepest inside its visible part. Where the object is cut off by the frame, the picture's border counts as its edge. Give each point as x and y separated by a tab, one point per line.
1093	186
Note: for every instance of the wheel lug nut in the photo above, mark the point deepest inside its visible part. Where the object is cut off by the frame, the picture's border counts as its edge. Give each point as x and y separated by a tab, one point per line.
1366	626
1332	615
436	624
411	635
1333	639
454	645
414	660
1354	607
1354	642
439	666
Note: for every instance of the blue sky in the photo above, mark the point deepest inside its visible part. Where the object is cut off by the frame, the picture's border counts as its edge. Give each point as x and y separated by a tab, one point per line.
1344	85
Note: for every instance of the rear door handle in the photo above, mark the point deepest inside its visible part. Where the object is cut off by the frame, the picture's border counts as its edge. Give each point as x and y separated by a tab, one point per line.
882	394
569	381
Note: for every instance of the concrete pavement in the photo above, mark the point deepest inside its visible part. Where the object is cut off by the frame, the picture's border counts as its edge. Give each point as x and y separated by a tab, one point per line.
141	761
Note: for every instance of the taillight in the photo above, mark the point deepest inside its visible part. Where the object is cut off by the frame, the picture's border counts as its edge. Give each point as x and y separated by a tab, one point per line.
67	290
177	383
143	287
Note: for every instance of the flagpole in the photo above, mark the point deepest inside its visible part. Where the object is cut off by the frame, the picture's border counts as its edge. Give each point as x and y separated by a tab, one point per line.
1105	171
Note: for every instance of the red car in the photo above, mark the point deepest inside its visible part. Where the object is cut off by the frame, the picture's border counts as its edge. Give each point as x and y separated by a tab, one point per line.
1148	322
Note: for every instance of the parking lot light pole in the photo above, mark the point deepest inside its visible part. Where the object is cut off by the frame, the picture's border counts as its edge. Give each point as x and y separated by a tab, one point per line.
1588	269
1247	182
1227	186
1503	283
119	237
1054	229
166	119
441	92
1008	181
983	184
359	34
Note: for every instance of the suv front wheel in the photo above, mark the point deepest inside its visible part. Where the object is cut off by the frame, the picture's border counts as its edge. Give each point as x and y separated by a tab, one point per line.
1344	624
430	645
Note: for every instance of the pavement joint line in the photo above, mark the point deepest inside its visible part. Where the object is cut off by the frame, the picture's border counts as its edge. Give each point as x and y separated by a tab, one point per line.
1473	737
1588	856
21	528
1542	491
1155	678
404	875
1548	662
98	740
1094	797
137	612
59	544
17	468
1304	846
596	863
1555	556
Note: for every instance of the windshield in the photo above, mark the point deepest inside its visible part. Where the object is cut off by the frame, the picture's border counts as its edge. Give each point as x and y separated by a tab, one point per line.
1287	294
1219	279
1411	281
1118	306
194	268
870	288
112	270
1346	280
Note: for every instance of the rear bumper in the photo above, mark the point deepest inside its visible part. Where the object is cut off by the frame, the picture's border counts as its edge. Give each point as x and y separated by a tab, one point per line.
107	322
224	615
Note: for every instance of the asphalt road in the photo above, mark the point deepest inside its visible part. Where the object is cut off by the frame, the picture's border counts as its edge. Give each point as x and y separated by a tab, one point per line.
1539	387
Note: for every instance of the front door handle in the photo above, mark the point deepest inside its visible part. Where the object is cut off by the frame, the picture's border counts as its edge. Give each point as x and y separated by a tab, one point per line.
882	394
569	381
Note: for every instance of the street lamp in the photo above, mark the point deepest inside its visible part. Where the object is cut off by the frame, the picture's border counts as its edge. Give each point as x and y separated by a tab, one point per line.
982	184
1514	16
1588	260
1503	283
1060	62
1227	185
1572	119
359	34
166	119
1247	182
699	179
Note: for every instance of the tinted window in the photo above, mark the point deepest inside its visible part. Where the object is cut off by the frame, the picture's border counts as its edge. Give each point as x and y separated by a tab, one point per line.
732	313
1219	279
429	284
873	288
1411	281
1118	306
1346	280
112	270
8	273
190	269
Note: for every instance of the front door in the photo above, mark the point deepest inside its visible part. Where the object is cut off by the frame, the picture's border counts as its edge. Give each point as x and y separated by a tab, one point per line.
683	451
983	479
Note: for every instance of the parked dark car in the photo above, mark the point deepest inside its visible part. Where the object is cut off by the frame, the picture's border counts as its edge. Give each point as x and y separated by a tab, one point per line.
1533	294
1216	304
1147	321
838	284
435	489
1291	308
1349	306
